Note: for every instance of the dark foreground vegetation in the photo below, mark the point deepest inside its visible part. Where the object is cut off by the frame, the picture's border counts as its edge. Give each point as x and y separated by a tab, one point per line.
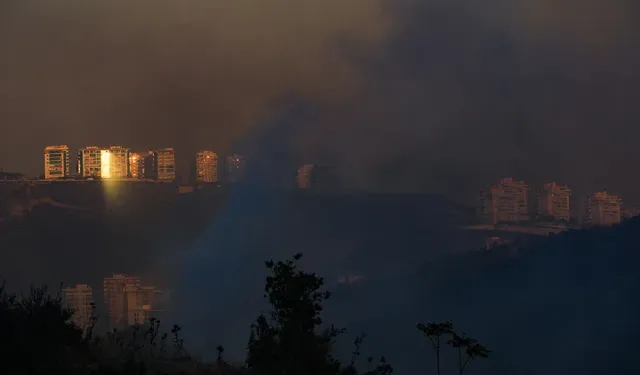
39	338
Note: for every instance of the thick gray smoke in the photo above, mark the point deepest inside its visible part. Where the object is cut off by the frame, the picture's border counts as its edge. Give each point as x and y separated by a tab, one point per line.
190	74
411	95
424	95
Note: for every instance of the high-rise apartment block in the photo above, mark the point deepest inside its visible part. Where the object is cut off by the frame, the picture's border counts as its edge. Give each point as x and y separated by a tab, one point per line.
505	202
112	162
118	162
115	298
136	165
128	302
236	165
79	299
304	176
150	165
554	202
90	161
56	162
206	166
602	209
140	302
166	164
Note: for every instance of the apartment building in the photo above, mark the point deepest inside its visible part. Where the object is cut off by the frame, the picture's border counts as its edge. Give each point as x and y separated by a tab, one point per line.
56	162
166	164
206	167
141	304
602	209
554	202
150	165
117	162
112	162
90	161
116	289
128	302
136	165
505	201
80	299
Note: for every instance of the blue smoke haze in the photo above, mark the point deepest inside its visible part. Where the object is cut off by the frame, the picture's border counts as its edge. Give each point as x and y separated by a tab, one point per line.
566	306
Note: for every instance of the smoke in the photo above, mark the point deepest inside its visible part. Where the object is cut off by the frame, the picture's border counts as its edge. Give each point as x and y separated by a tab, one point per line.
471	91
410	95
436	95
190	74
590	25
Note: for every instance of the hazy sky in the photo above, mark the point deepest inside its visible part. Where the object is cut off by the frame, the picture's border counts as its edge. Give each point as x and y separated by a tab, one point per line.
409	95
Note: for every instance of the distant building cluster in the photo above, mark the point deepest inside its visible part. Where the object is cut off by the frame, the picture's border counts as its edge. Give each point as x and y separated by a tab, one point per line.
513	201
127	302
114	162
507	201
117	162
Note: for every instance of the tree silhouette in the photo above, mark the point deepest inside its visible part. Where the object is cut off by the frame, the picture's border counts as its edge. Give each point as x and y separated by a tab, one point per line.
435	332
471	347
288	340
39	337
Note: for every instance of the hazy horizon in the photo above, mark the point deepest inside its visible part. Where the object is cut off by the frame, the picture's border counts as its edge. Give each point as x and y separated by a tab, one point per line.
400	95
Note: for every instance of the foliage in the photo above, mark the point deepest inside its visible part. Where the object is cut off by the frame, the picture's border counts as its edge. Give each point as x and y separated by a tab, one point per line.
291	339
39	338
288	340
471	347
35	334
436	332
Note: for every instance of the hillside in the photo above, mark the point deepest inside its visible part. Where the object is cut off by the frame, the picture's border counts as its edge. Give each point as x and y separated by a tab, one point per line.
567	304
78	233
545	308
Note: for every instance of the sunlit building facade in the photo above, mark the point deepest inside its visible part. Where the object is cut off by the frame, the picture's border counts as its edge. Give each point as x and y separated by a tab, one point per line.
602	209
90	161
56	162
107	163
504	202
117	162
80	300
554	202
206	167
136	165
166	164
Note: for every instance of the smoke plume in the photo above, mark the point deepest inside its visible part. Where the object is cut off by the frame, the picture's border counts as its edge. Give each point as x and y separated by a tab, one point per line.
410	95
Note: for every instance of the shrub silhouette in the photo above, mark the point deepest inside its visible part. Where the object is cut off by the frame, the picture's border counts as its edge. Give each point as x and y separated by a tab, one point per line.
291	339
36	335
287	341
